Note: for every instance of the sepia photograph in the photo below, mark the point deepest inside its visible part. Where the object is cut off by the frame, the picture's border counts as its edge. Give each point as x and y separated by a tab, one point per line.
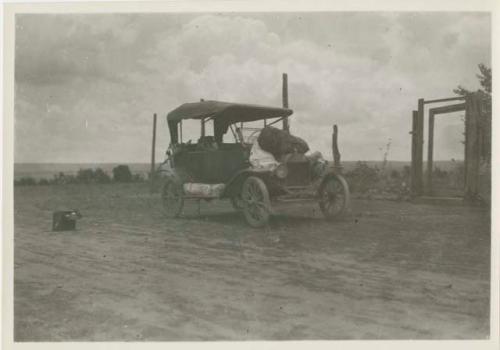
252	176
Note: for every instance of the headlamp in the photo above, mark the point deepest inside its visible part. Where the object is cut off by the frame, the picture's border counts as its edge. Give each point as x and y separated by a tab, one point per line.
281	171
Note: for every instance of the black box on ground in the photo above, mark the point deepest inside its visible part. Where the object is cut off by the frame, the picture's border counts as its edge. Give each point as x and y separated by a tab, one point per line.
65	220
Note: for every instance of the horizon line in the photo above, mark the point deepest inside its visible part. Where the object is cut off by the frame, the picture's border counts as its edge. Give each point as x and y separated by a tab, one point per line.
148	162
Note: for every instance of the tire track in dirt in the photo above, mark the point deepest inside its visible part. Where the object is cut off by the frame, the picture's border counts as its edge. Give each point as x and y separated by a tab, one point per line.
127	273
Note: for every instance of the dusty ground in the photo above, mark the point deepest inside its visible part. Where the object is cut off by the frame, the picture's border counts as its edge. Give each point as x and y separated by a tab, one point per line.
391	270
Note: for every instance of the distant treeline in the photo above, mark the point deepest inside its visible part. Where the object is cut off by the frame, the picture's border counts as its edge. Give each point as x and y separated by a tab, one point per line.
120	173
365	180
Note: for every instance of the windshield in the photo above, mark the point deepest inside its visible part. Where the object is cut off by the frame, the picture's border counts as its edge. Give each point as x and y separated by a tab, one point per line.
249	135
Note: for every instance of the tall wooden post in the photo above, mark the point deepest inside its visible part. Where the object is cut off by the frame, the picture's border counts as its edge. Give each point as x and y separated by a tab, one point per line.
286	125
153	148
430	152
419	149
472	156
414	152
335	147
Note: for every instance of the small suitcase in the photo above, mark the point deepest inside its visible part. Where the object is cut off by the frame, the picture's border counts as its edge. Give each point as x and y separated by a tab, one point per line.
65	220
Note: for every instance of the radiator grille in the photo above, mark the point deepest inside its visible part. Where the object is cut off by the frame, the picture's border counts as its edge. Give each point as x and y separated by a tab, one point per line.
299	174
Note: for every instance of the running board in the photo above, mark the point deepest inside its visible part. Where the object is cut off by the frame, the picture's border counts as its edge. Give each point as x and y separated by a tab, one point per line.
295	200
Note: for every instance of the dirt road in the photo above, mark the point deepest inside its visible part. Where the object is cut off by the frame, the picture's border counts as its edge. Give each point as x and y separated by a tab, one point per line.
392	270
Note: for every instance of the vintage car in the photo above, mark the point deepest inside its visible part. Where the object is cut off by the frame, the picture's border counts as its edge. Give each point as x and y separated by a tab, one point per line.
212	168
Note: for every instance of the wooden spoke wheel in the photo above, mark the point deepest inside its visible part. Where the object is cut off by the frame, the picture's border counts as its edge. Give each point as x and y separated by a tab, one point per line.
256	203
334	197
172	198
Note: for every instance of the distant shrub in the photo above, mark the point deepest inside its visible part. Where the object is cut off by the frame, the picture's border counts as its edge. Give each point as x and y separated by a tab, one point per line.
85	176
457	175
101	176
440	174
57	179
406	173
138	178
43	182
374	183
362	177
121	173
395	174
25	181
63	179
92	176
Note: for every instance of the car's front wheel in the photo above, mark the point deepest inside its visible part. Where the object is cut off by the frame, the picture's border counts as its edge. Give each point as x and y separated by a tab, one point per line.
334	197
172	198
255	201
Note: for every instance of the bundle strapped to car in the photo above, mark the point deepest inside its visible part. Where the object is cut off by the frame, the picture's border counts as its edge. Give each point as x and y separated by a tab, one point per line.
283	146
280	142
203	190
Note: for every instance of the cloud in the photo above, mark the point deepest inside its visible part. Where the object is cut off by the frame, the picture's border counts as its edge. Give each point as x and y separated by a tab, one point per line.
326	85
92	82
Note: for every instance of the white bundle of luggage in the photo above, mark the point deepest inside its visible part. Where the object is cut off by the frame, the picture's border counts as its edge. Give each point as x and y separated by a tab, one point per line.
261	159
203	190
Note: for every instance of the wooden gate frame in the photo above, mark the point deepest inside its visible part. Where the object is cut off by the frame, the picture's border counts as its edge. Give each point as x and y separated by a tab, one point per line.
472	107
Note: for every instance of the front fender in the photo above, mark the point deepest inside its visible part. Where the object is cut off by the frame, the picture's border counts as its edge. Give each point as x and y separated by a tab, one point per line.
339	178
234	184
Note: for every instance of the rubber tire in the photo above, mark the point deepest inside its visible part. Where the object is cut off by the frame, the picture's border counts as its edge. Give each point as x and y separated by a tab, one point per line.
173	209
265	203
345	191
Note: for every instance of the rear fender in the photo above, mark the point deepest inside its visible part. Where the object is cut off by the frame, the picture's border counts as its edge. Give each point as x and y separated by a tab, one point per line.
166	174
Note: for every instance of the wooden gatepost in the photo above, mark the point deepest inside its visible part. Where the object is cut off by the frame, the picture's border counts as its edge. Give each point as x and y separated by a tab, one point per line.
417	160
152	171
473	137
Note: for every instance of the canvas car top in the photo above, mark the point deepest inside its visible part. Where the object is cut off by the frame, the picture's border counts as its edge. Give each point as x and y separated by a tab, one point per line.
230	112
223	113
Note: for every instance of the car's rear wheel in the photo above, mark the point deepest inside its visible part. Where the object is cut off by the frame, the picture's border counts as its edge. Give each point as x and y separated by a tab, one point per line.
334	197
256	202
172	198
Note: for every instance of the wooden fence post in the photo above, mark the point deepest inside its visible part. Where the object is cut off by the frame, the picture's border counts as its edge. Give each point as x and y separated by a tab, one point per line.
430	153
153	149
286	125
414	152
335	147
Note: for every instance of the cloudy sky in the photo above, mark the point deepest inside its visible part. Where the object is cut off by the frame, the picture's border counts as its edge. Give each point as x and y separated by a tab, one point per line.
86	86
